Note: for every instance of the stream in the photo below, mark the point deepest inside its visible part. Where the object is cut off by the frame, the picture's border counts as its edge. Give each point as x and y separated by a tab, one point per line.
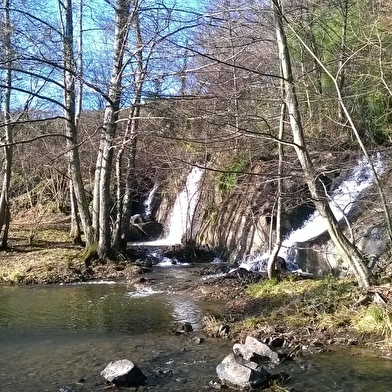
59	338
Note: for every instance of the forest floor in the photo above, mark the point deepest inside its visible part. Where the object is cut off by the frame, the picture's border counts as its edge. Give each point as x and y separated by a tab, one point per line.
40	251
300	313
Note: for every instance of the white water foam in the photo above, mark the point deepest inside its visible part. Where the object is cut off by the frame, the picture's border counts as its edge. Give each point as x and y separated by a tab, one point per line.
342	201
148	203
184	207
167	262
91	282
142	291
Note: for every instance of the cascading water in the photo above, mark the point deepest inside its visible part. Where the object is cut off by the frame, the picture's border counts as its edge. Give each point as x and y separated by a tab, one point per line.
342	201
148	203
183	210
184	207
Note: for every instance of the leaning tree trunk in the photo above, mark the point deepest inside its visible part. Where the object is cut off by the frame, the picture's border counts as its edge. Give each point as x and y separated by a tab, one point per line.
348	250
345	110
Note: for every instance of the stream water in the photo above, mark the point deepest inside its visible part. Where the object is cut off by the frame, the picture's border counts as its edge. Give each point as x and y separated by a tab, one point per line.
59	338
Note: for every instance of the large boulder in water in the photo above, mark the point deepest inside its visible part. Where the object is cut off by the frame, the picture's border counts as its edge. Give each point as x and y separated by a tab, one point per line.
242	376
123	373
243	369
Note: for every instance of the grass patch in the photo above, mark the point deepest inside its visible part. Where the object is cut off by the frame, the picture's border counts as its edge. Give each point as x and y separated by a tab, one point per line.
326	303
375	320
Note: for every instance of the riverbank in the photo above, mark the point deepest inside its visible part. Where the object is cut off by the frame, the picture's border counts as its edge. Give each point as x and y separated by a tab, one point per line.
296	312
41	252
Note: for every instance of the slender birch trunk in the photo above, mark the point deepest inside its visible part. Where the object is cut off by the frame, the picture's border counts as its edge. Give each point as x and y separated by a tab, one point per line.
5	214
76	233
278	240
71	131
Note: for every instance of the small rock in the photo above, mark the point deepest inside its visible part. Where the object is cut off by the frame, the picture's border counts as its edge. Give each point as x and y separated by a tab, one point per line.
215	385
198	339
185	327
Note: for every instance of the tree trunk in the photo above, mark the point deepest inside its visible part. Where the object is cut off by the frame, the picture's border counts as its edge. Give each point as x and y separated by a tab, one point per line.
5	215
132	128
70	124
126	179
75	232
104	162
335	81
271	269
348	250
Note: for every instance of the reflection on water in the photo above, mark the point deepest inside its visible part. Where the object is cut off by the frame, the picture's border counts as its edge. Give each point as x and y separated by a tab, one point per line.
344	371
53	336
79	307
186	309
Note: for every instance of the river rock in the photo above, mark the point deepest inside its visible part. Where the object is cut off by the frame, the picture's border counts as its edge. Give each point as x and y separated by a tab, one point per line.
123	373
237	373
253	349
182	327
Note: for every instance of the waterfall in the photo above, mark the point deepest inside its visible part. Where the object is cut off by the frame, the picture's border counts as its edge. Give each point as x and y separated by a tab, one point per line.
184	207
148	203
342	200
183	210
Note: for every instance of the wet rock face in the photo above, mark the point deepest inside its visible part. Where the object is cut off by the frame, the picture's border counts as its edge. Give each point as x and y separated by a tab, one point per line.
123	373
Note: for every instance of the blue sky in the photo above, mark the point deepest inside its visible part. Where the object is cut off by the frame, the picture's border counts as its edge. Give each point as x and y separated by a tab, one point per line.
96	41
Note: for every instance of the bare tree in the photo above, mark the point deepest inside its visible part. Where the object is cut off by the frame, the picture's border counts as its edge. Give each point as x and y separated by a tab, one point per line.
272	261
338	81
125	182
70	123
101	202
7	166
314	184
75	231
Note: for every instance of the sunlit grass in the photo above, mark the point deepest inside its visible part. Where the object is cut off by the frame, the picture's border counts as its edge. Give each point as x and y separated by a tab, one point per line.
375	320
326	303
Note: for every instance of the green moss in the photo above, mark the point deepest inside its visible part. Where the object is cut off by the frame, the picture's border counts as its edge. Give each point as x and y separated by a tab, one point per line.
228	180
